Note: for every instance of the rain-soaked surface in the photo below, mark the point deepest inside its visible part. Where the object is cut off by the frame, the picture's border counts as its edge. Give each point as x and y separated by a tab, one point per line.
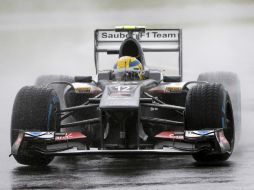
56	37
144	173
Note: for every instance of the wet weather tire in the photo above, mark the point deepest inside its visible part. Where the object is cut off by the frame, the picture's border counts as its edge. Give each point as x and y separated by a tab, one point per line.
34	109
208	106
44	80
231	83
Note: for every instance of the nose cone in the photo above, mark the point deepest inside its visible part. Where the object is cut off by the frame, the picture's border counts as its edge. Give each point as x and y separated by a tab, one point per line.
121	96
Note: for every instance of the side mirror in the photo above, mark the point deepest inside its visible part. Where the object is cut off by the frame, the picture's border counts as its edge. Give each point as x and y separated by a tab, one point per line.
83	78
172	79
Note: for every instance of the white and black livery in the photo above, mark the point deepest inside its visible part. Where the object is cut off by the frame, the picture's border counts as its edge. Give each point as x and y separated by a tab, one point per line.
161	114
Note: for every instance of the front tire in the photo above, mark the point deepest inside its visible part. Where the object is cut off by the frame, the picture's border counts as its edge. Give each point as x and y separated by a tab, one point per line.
34	109
44	80
208	106
231	83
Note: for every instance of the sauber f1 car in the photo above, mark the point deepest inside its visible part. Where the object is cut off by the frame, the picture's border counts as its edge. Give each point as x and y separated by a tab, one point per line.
138	106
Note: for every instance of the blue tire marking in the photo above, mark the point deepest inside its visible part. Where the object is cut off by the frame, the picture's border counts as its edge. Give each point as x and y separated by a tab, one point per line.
223	114
55	99
223	122
49	114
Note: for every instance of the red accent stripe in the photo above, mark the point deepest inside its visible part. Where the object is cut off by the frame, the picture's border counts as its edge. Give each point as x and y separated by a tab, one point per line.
70	136
168	135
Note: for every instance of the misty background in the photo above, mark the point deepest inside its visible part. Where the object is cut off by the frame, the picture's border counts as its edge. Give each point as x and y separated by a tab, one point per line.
56	37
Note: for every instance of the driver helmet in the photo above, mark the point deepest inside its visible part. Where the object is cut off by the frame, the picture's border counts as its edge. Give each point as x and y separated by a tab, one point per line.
128	68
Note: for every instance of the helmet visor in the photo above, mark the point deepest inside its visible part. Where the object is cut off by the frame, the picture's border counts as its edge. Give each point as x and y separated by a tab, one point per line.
126	74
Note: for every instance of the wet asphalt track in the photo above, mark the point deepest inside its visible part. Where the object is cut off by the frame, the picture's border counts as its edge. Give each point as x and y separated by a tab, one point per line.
142	173
56	38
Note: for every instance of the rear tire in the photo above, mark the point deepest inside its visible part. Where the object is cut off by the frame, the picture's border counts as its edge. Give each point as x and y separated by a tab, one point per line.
34	109
208	106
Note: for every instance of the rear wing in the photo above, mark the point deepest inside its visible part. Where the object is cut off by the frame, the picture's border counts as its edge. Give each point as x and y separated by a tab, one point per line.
151	40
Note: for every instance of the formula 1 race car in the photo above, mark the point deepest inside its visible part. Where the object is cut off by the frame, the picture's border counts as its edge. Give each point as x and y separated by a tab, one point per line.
136	104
